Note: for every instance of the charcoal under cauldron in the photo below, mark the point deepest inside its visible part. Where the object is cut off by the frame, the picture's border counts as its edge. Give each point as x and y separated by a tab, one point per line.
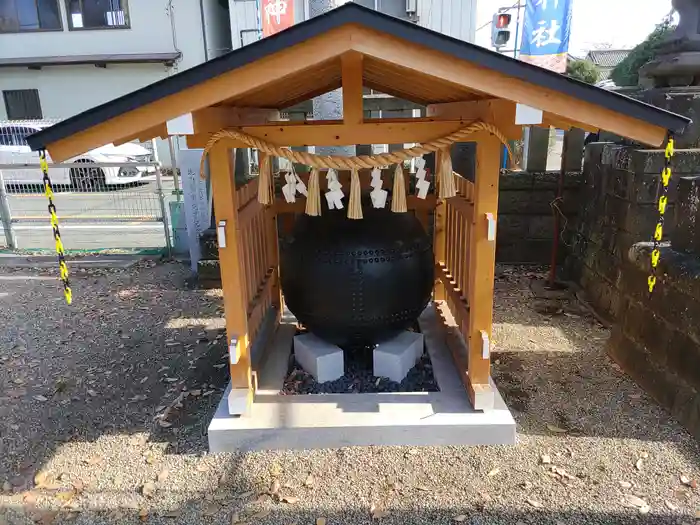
357	282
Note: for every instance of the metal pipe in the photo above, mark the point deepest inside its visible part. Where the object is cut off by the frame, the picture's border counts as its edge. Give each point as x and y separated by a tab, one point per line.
164	212
173	163
204	30
6	217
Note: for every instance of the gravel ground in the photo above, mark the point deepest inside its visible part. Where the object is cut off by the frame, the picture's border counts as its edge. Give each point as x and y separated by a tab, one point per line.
81	440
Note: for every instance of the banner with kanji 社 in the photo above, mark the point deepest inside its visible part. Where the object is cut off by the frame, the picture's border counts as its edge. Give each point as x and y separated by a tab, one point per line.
546	33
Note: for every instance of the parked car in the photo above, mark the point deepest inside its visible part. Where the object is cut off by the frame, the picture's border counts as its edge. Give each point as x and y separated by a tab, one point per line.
15	150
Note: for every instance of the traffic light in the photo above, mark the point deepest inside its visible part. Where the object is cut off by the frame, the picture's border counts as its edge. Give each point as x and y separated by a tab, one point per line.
500	30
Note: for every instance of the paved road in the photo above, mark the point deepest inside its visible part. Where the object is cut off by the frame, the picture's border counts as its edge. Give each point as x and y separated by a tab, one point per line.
117	218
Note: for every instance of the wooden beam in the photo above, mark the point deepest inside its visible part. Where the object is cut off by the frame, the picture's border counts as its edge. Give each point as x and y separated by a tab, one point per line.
464	207
305	56
334	133
482	263
427	62
495	111
248	212
213	119
351	65
222	163
142	136
565	124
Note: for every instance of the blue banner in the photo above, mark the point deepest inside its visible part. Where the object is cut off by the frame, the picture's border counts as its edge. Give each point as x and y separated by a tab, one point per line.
546	33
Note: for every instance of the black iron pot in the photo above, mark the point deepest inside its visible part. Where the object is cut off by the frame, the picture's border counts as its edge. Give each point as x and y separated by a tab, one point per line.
357	282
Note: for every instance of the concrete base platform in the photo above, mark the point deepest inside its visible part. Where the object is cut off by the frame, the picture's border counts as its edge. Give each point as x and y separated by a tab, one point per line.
340	420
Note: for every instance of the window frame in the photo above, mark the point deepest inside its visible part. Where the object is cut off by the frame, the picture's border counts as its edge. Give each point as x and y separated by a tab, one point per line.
69	18
40	29
5	93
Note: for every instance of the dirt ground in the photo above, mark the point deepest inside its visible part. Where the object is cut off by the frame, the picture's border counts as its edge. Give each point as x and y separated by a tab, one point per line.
104	407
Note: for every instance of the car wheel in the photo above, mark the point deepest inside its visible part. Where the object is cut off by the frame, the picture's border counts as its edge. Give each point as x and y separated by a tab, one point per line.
89	178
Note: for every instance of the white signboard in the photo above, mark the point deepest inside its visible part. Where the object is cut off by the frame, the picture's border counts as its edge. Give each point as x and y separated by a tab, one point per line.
197	200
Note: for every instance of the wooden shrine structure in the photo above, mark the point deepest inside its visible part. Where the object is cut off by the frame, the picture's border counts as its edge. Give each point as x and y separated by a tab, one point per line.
351	48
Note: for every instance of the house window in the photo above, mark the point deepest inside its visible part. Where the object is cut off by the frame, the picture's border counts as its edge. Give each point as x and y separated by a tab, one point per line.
29	15
97	14
22	104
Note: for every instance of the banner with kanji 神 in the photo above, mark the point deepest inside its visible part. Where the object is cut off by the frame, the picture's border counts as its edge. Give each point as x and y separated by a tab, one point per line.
547	28
276	15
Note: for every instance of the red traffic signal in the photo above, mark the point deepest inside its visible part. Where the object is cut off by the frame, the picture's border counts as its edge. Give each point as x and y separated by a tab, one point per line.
503	20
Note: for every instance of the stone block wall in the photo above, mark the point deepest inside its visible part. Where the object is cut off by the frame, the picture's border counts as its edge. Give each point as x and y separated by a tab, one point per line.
618	209
525	217
656	339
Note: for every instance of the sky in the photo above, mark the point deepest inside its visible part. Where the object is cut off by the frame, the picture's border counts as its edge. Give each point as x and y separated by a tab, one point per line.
594	22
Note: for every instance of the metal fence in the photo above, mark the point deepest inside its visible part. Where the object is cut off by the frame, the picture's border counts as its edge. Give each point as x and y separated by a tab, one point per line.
112	197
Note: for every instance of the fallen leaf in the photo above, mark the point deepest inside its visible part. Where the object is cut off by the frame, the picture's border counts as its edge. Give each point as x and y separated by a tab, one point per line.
485	496
210	508
290	499
140	397
274	487
148	489
78	485
260	515
29	498
309	481
422	488
545	459
413	451
92	393
143	514
163	475
687	481
320	521
625	484
150	459
6	486
631	500
378	513
40	398
244	495
40	478
638	465
14	427
172	514
670	505
527	485
65	496
165	424
94	460
275	470
645	509
201	467
493	472
555	429
460	518
644	454
534	503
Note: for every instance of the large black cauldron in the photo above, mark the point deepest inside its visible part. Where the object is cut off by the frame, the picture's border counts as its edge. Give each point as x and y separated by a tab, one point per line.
357	282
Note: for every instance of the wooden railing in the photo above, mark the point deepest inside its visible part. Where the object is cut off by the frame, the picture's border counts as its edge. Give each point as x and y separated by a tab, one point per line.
257	246
454	220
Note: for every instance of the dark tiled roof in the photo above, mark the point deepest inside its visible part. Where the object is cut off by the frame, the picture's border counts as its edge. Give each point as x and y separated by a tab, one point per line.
607	57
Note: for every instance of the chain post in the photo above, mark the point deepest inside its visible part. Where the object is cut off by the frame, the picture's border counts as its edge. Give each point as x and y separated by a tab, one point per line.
48	191
662	203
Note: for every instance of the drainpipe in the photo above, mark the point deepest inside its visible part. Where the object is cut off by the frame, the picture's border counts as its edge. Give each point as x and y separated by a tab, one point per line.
204	31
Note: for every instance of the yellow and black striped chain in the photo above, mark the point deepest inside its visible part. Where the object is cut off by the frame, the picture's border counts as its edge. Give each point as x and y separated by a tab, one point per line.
663	203
48	191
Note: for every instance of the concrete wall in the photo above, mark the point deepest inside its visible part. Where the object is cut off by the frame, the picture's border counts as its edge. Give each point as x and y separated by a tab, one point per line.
456	18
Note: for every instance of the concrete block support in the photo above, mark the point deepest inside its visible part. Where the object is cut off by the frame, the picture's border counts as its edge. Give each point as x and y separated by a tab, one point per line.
395	358
322	360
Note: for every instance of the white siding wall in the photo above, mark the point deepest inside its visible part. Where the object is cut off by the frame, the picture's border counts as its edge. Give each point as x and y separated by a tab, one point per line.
455	18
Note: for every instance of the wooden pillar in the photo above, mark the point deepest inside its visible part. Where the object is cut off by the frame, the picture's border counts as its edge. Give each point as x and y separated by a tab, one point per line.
221	161
440	241
482	262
